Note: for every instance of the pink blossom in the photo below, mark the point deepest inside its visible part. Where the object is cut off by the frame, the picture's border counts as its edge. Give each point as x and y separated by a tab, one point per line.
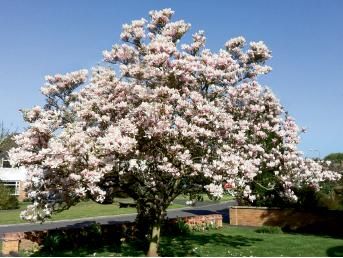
170	114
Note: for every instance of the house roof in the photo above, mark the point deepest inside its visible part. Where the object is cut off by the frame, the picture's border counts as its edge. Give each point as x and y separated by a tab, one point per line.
13	174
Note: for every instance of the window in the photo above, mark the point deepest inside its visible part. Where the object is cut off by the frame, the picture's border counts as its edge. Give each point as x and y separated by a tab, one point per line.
13	186
5	163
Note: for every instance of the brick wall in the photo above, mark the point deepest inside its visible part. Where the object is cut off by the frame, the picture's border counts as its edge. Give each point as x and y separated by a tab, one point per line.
313	221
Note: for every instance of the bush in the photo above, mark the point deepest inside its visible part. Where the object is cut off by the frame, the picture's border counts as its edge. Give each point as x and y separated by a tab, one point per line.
182	228
178	228
335	157
265	196
7	201
269	230
330	196
90	236
54	241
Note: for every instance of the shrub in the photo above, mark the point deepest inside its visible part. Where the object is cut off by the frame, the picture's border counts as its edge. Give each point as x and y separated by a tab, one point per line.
203	227
178	228
268	191
329	197
7	201
182	227
54	241
335	157
90	236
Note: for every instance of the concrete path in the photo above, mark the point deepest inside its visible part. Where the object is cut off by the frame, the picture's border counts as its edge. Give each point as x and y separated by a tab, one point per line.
201	208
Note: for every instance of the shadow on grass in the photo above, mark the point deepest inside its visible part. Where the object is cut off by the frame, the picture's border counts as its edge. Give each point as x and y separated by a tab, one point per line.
113	250
116	248
185	245
315	231
336	251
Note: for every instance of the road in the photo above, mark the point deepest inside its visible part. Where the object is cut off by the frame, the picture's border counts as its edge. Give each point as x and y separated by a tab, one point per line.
200	209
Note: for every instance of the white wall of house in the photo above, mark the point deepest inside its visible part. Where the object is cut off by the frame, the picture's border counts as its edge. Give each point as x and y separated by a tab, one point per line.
13	174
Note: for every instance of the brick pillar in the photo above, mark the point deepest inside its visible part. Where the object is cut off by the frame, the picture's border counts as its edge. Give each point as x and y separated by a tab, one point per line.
22	192
233	216
219	221
10	243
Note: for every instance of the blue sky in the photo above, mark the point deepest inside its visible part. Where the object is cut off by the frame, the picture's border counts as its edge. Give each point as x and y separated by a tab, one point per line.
306	38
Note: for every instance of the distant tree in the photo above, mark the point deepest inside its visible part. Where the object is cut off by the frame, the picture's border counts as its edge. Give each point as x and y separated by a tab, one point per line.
6	141
334	161
335	157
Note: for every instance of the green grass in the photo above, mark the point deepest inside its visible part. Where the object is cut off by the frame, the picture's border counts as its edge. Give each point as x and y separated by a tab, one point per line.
269	230
239	241
81	210
228	241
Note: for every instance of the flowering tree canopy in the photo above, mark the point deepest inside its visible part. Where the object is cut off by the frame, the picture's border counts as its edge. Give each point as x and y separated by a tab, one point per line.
157	119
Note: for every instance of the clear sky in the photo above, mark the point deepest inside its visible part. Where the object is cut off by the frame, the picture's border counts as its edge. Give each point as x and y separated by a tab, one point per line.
306	37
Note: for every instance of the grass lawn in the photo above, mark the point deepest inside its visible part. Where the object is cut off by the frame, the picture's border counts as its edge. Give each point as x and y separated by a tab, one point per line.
81	210
228	241
240	241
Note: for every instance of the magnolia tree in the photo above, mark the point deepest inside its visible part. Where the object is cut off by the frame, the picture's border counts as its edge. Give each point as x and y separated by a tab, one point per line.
159	119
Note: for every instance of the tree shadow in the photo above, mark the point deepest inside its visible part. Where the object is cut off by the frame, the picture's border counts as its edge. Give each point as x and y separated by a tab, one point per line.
200	212
336	251
226	214
186	244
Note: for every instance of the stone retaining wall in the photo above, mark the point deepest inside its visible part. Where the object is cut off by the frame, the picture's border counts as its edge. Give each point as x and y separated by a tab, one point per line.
10	243
13	242
204	221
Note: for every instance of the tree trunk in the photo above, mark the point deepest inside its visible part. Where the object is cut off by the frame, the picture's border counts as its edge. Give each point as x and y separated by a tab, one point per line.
154	241
144	221
149	220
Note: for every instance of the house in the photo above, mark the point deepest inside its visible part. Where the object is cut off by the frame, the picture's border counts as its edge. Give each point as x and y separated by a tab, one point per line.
13	178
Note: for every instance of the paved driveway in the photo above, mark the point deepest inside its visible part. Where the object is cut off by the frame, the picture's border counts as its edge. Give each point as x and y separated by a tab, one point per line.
199	209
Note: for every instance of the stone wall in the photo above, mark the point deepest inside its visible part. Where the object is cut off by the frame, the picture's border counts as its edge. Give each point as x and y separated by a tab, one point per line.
12	243
202	221
214	220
